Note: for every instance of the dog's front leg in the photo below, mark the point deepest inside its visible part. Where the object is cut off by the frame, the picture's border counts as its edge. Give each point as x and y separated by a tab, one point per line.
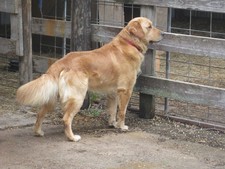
112	108
123	99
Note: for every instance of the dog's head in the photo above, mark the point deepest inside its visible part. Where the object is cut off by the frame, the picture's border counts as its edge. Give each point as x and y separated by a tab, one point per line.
143	29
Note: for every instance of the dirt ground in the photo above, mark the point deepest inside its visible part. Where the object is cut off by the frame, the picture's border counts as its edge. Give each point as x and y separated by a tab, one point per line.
149	144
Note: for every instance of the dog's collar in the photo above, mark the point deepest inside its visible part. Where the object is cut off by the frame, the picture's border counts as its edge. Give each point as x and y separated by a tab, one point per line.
132	44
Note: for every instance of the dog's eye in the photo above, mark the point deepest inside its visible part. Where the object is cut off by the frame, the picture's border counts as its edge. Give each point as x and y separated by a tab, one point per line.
150	27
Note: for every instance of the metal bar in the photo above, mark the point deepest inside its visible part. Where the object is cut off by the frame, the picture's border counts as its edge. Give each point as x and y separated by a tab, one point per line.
195	122
64	38
169	21
190	22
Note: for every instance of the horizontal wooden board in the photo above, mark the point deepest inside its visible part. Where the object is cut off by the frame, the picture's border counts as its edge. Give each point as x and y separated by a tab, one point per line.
41	63
9	6
184	91
50	27
103	33
201	5
193	45
7	46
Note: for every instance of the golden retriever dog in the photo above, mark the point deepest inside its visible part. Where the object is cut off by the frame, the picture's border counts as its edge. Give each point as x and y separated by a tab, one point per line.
111	69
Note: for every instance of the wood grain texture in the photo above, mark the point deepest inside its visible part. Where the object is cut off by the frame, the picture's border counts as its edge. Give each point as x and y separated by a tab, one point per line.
80	26
26	67
184	91
146	101
193	45
16	22
201	5
9	6
8	46
50	27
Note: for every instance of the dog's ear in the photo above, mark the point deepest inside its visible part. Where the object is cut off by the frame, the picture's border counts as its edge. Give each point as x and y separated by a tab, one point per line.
136	29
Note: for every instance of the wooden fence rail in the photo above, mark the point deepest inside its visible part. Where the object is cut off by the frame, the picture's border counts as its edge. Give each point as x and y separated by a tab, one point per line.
50	27
171	42
202	5
183	91
9	6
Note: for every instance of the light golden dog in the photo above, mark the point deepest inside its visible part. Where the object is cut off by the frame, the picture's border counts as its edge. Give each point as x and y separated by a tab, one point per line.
111	69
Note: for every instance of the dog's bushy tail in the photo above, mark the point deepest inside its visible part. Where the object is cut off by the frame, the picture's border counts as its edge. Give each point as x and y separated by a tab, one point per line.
38	92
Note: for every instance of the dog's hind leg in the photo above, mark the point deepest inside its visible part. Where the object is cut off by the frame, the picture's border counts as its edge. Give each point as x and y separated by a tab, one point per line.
40	117
112	108
72	90
71	108
123	99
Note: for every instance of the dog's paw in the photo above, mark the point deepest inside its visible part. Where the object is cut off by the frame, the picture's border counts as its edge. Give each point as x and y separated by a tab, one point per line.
75	138
119	126
39	133
124	128
115	125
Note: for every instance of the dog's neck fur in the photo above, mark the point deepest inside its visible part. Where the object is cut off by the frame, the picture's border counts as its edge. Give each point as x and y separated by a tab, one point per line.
134	41
132	44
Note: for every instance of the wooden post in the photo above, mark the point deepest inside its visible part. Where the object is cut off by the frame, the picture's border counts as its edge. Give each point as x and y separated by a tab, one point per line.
147	102
81	30
111	13
81	25
26	68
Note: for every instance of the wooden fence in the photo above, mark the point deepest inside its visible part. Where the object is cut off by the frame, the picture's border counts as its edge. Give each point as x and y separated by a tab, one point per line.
148	84
20	35
23	25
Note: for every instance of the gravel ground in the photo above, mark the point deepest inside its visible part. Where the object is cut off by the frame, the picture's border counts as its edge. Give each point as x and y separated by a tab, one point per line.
149	144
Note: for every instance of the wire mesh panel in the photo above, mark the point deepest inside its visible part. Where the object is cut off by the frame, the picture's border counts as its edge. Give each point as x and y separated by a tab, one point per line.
51	46
193	68
8	63
113	13
9	68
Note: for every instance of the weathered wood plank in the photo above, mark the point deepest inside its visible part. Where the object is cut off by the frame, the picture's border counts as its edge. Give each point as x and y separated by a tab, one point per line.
202	5
111	14
51	27
147	102
17	29
41	64
104	34
193	45
148	66
25	66
9	6
184	91
8	46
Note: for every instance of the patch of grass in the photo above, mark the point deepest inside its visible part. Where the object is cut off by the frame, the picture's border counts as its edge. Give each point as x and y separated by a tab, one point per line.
94	109
94	98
